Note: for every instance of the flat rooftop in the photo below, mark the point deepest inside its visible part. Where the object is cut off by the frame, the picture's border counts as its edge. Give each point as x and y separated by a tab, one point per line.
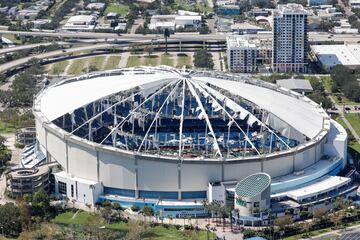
332	55
290	8
324	186
295	84
241	41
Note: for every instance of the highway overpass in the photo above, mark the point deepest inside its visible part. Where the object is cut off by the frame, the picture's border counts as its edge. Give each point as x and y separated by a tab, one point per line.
313	36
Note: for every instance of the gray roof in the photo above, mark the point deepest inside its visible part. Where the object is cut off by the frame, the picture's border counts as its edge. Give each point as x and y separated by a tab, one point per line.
295	84
253	185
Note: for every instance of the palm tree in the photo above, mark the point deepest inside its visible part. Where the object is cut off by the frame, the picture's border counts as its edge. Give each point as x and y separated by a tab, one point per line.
230	218
205	204
223	214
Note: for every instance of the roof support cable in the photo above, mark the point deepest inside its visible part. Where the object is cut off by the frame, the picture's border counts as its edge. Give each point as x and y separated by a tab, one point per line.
100	113
204	114
210	90
111	106
138	107
157	115
181	119
231	118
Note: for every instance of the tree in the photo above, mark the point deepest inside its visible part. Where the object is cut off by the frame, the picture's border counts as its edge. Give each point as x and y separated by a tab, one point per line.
136	230
116	206
92	230
336	218
149	49
339	203
319	214
166	36
203	59
148	211
135	208
283	222
106	214
40	204
10	220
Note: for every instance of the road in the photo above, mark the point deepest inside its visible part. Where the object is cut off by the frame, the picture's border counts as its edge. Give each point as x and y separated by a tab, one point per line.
19	62
350	233
29	46
313	36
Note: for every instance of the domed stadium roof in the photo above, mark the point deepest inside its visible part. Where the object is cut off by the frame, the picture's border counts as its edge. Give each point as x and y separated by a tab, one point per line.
180	113
253	185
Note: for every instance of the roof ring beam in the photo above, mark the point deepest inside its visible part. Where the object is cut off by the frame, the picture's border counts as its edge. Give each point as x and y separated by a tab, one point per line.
232	119
135	109
203	112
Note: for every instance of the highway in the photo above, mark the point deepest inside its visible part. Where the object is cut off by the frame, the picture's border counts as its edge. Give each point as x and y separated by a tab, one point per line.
313	36
28	46
19	62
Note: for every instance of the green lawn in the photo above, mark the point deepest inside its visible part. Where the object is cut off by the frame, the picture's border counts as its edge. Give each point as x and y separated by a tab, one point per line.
58	68
341	99
354	120
155	233
167	59
120	9
133	61
112	62
183	60
68	218
338	97
77	66
152	60
327	83
7	128
97	61
185	5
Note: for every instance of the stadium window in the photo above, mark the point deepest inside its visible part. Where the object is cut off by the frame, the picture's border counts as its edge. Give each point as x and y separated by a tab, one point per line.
62	188
72	190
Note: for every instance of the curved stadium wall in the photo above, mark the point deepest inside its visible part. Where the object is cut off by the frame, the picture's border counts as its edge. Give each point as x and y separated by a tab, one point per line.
145	175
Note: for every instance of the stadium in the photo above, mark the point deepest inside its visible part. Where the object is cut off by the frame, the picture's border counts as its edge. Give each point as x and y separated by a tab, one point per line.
171	138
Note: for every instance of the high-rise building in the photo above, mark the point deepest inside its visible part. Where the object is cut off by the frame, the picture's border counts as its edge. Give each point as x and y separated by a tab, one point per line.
245	54
290	39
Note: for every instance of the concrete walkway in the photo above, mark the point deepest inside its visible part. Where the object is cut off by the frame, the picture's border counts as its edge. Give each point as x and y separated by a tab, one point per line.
124	59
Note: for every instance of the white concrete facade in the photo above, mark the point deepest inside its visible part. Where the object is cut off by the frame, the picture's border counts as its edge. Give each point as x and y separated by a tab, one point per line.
83	160
80	190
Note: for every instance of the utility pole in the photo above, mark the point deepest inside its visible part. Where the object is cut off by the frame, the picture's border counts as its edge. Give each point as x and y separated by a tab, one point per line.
166	35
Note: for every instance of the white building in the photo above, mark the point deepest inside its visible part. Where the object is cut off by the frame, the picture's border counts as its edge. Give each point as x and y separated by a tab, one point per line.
85	23
344	28
241	54
252	194
78	189
354	3
318	2
290	39
173	22
329	56
96	6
